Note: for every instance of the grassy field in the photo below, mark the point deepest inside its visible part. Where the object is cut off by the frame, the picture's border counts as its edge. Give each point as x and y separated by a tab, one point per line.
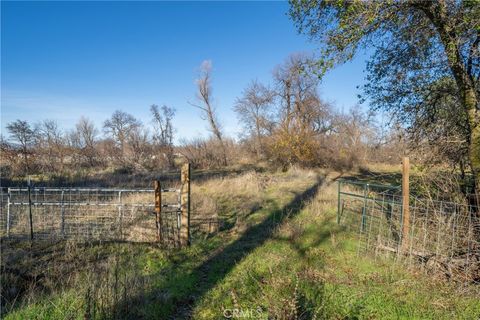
280	255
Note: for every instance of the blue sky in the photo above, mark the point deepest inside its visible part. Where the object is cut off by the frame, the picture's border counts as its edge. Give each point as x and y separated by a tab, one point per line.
62	60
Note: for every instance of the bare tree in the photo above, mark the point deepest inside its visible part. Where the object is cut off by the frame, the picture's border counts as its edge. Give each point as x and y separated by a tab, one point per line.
296	86
302	114
204	153
120	127
355	135
139	145
253	110
22	133
197	153
50	141
85	135
163	131
8	159
204	96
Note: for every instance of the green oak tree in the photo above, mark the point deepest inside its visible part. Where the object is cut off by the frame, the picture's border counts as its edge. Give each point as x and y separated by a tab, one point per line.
418	49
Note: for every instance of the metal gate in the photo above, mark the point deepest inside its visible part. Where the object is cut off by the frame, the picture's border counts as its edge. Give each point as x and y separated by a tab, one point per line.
372	210
139	215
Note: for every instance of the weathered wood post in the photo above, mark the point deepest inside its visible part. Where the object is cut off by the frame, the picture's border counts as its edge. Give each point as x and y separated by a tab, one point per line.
405	202
185	205
158	209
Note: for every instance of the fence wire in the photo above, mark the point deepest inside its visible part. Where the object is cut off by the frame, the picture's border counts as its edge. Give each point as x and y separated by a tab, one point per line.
443	237
105	214
79	213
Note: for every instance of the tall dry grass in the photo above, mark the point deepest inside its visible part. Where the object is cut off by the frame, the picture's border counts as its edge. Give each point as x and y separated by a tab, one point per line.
106	277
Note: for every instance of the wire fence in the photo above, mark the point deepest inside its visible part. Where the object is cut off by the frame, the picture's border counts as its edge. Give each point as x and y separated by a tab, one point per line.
76	213
86	214
443	237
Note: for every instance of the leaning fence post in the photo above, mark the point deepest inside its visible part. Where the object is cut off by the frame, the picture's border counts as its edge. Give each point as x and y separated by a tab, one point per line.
405	202
185	205
158	209
8	212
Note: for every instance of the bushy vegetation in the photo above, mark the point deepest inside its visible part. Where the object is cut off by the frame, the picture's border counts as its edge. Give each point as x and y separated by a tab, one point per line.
280	255
285	124
277	253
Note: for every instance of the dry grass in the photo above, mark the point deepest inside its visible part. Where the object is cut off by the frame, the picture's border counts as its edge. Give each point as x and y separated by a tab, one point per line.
311	269
308	267
106	275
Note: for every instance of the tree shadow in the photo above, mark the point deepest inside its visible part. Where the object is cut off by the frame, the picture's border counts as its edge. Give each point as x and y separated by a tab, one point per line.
213	270
190	286
317	237
369	176
39	267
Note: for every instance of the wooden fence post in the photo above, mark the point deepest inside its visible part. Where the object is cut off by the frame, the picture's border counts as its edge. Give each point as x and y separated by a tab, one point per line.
405	202
185	206
158	209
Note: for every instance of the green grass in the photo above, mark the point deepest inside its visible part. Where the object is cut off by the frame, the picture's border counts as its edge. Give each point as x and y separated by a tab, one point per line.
286	260
312	276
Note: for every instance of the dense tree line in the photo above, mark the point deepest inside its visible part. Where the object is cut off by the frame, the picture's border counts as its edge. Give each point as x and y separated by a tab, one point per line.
289	123
126	144
284	123
424	71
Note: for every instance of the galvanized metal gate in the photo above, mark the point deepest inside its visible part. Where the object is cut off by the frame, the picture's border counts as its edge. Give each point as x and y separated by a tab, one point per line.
372	210
75	213
38	213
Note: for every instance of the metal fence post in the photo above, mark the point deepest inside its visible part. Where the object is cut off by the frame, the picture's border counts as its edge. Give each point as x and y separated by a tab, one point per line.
364	208
30	208
8	211
185	205
338	204
405	202
120	214
62	212
158	209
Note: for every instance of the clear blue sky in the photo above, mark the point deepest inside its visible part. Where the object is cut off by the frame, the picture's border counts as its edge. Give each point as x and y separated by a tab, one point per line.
62	60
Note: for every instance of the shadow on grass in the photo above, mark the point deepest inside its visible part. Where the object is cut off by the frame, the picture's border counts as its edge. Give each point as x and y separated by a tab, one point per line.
213	270
193	285
173	292
40	268
365	175
316	236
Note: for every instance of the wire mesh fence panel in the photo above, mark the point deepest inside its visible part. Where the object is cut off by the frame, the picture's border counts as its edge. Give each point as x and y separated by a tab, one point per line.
204	220
77	213
443	237
3	211
100	214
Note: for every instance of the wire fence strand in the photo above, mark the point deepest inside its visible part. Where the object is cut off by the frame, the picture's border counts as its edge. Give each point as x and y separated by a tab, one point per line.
443	237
